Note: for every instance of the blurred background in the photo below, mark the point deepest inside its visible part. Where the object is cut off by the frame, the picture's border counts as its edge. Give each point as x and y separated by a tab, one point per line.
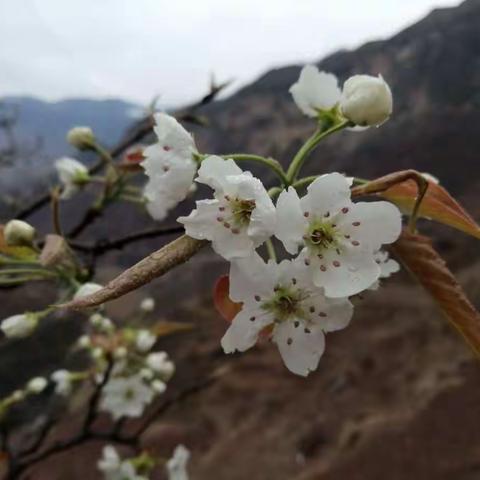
397	394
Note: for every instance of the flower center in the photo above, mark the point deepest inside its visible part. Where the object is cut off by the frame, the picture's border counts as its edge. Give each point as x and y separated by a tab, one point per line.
242	210
321	236
286	303
129	394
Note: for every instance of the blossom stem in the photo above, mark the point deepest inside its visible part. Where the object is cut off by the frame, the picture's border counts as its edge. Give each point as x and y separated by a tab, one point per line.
309	146
272	254
15	271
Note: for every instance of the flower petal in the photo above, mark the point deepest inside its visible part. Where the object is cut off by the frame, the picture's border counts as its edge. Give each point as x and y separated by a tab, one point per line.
373	223
327	194
201	223
214	170
291	223
300	347
244	330
315	91
330	314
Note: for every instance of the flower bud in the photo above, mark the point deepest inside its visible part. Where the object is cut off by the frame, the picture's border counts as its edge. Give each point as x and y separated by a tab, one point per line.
84	342
86	289
18	233
366	100
145	340
19	326
147	305
120	352
81	138
37	385
63	382
158	386
160	364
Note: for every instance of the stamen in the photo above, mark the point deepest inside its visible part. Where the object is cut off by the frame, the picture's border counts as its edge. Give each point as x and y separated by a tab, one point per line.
306	214
294	281
289	341
355	243
307	262
356	224
226	225
344	210
296	323
320	256
167	148
312	309
165	168
336	263
306	330
235	231
227	198
323	268
327	215
221	209
219	219
252	319
257	298
347	236
322	314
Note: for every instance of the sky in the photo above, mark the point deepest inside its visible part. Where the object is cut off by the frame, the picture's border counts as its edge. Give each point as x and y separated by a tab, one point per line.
136	49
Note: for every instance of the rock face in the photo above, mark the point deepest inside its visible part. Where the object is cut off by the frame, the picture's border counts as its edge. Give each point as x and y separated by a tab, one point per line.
397	393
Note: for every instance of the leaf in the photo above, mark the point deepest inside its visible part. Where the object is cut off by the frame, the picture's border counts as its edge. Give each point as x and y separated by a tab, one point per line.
402	187
223	303
155	265
418	255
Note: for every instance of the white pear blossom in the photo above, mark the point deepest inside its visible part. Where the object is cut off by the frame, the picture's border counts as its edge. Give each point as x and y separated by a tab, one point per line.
19	233
37	385
63	382
19	326
170	166
160	363
315	91
239	218
145	340
114	468
366	100
81	137
72	174
147	305
339	237
159	386
387	267
177	465
86	289
284	297
126	397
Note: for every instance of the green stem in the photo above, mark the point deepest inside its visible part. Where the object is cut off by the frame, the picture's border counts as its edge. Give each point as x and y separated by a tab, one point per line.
16	271
271	250
308	147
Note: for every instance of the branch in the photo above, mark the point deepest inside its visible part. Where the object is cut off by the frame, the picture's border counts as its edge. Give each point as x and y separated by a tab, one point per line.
155	265
100	247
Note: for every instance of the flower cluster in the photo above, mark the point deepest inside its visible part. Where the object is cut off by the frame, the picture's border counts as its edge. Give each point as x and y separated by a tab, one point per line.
335	243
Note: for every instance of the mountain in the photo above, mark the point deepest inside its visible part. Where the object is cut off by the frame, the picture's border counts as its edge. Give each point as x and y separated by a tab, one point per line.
397	393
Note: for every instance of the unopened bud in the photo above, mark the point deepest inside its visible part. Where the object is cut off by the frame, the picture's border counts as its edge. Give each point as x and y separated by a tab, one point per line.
19	233
19	326
81	138
37	385
366	100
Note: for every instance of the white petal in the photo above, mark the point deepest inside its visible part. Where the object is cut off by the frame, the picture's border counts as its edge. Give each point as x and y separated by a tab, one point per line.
330	314
327	194
355	271
214	170
373	223
244	329
315	90
172	135
201	223
249	277
300	347
291	223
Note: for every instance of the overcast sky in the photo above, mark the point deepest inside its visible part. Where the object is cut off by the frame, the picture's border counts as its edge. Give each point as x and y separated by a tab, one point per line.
135	49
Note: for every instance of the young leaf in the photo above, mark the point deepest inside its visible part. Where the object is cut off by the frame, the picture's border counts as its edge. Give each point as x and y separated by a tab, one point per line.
418	256
223	303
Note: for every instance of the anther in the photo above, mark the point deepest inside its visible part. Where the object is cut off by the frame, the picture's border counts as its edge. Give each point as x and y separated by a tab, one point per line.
322	314
252	319
306	214
323	268
257	298
344	210
336	263
356	224
355	243
289	341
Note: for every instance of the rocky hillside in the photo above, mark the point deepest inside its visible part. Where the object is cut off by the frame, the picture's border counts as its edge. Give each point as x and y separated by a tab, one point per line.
397	393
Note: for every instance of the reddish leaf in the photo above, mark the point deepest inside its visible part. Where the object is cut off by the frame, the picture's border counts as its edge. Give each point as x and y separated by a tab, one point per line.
437	205
418	255
224	305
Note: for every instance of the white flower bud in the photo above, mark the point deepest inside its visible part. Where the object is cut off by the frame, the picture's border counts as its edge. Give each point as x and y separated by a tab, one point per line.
146	373
145	340
96	319
81	138
72	174
97	353
84	341
158	386
63	381
366	100
18	233
19	326
160	364
17	395
147	305
86	289
37	385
